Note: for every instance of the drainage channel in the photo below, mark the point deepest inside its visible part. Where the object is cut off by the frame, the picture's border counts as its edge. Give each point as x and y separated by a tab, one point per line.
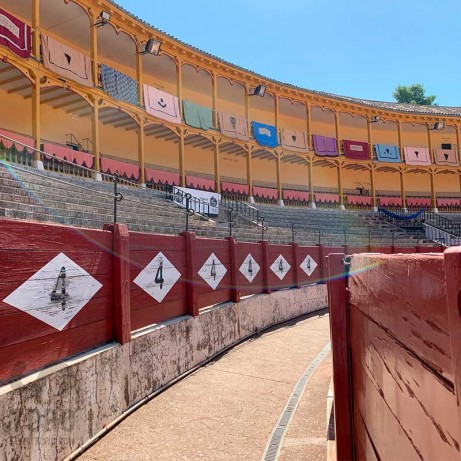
272	451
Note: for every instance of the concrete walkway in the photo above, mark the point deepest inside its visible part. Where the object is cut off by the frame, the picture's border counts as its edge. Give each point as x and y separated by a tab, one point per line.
229	409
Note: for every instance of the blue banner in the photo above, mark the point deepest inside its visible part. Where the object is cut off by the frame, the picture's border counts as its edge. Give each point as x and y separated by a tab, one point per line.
405	217
387	153
118	85
265	135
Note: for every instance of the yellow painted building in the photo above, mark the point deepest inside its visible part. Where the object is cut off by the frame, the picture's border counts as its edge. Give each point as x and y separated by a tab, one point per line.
49	108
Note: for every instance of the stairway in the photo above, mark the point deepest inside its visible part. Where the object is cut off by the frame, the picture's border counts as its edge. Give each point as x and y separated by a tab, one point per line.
26	193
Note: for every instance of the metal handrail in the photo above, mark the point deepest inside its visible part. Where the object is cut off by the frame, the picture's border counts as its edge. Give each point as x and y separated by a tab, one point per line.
177	195
440	222
77	142
242	209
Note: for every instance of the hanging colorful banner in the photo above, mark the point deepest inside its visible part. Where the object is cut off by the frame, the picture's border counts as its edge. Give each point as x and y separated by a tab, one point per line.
265	135
387	153
325	146
418	156
161	105
14	34
233	127
356	150
197	116
445	157
66	62
118	85
294	140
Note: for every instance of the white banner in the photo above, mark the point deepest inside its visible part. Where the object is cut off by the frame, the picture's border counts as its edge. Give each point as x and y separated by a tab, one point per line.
211	198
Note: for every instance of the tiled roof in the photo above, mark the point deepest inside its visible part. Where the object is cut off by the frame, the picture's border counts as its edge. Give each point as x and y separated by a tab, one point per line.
392	106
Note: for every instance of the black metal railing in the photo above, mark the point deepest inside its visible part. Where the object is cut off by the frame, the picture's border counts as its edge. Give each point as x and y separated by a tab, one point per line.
178	196
242	209
415	225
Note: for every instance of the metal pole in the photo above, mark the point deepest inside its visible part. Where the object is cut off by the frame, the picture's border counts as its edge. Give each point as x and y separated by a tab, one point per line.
369	237
188	197
118	197
293	232
345	237
320	236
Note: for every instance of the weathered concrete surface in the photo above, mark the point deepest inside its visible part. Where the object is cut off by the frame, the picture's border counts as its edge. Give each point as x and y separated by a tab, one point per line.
227	410
52	413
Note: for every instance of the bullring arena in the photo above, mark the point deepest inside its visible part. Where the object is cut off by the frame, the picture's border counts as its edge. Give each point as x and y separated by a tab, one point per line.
160	207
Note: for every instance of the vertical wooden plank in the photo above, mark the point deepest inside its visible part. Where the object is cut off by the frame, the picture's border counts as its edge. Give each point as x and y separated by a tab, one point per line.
265	268
235	291
295	264
191	290
341	359
122	308
452	260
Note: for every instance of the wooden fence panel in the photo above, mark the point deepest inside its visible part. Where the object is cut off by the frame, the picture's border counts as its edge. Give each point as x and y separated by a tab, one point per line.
256	285
305	265
55	294
212	267
165	300
278	256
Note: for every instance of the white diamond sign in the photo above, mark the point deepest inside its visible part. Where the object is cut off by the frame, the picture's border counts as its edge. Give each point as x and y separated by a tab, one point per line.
158	277
308	265
56	293
249	268
212	271
280	267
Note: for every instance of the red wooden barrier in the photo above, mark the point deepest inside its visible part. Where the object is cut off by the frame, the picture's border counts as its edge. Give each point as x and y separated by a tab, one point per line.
48	273
250	268
405	379
153	302
340	352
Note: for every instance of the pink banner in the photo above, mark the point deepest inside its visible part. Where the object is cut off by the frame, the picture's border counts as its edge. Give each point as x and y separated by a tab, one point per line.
446	157
233	126
66	153
294	140
448	202
418	156
390	201
162	177
235	188
419	201
14	34
265	192
20	138
326	197
126	170
162	105
356	150
300	195
66	62
196	182
359	200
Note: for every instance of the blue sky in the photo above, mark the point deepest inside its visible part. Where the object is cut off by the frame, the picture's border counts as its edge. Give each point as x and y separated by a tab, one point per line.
348	47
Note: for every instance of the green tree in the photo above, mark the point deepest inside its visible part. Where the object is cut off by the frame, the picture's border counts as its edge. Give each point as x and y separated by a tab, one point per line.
413	94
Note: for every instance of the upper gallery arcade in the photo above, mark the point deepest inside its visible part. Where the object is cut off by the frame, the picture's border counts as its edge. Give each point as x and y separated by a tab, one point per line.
87	89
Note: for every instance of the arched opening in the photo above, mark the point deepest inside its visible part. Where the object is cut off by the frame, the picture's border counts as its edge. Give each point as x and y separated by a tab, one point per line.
66	20
231	97
197	86
323	121
199	162
414	135
160	72
447	183
418	188
385	132
353	127
262	109
161	145
387	184
294	172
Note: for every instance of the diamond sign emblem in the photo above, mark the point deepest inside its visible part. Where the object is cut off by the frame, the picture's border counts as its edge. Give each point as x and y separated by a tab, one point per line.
212	271
56	293
158	277
249	268
280	267
308	265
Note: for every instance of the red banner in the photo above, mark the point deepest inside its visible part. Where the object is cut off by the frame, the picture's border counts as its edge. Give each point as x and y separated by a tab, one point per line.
14	34
356	150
